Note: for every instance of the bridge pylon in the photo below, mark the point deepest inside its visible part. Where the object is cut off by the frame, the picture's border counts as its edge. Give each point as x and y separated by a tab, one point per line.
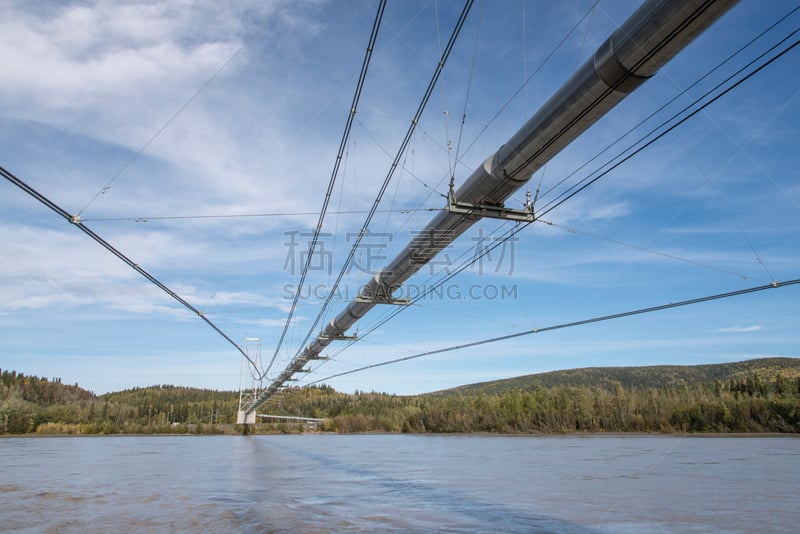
249	381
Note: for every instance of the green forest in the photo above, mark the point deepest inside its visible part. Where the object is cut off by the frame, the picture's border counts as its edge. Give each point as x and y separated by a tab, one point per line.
760	395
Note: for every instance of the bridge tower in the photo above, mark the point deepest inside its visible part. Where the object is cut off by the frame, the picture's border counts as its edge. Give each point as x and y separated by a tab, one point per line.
249	381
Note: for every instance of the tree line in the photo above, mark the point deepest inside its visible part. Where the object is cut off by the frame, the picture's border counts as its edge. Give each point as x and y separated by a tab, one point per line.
31	404
752	398
741	405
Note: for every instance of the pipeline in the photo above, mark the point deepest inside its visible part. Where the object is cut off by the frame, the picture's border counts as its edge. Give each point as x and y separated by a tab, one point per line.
646	41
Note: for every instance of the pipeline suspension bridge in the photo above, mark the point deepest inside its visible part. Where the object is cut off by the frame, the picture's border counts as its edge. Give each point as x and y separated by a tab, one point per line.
627	59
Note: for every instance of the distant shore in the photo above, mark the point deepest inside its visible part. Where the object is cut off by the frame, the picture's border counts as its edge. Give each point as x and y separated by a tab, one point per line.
463	434
752	398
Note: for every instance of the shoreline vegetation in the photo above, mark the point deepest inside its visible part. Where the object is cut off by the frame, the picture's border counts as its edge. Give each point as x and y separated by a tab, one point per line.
754	397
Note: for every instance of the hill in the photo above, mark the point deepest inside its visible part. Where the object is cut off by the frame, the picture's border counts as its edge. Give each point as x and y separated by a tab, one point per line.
35	404
752	396
640	378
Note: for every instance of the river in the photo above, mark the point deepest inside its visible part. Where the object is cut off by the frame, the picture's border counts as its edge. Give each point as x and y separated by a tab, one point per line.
408	483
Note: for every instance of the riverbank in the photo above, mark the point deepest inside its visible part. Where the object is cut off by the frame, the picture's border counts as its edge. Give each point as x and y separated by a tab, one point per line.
231	430
758	396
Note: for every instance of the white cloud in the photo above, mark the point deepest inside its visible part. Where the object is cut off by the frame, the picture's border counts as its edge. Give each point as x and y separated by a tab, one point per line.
80	56
119	72
269	323
63	268
737	329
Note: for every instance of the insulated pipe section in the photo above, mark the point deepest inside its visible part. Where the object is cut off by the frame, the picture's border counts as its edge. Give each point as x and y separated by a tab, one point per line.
633	53
650	37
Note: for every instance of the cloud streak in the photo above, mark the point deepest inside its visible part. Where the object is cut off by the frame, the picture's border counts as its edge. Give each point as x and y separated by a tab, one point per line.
737	329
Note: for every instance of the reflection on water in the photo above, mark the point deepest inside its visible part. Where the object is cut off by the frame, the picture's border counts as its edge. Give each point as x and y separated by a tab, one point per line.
579	484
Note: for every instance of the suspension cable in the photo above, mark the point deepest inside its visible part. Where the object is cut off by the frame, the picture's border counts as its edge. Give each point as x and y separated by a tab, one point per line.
728	211
430	289
145	218
76	221
398	156
342	146
534	73
587	181
469	89
599	319
450	165
506	104
573	230
673	99
158	132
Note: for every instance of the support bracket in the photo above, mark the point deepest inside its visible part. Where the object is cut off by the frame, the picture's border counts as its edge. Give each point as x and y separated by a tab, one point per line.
340	337
490	210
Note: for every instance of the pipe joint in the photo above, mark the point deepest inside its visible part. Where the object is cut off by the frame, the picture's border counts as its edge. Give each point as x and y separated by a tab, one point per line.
611	70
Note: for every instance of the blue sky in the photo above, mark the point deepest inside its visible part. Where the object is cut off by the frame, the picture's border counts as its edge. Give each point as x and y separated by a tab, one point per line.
197	110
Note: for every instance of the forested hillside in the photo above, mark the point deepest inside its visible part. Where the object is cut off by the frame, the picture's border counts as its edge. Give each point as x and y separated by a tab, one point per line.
655	376
33	404
753	396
